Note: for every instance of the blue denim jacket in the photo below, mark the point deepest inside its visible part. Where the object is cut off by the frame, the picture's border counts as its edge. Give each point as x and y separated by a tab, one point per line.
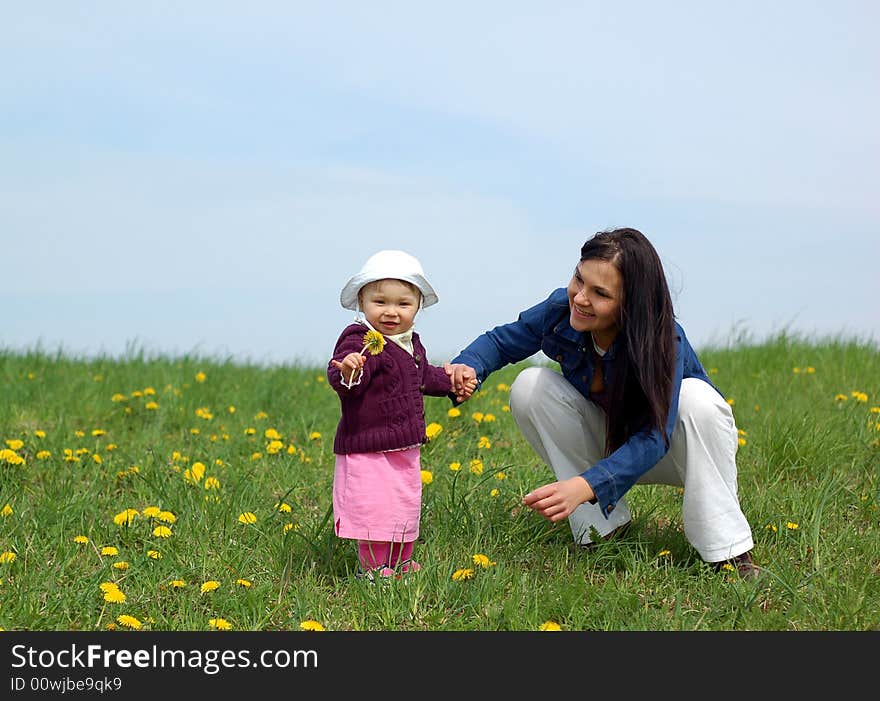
545	327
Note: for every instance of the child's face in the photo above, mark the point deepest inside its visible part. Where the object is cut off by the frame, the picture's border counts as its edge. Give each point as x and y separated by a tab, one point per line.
390	305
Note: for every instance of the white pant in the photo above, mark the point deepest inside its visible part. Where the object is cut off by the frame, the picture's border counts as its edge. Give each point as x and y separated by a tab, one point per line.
568	432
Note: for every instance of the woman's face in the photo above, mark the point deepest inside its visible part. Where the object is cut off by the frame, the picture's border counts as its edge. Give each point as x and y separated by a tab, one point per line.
594	297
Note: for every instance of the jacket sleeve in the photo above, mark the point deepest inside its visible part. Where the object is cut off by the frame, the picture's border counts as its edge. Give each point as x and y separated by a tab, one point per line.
508	343
350	343
613	476
436	382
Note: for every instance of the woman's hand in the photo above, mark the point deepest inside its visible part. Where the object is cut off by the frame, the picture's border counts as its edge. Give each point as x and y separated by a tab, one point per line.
557	500
464	380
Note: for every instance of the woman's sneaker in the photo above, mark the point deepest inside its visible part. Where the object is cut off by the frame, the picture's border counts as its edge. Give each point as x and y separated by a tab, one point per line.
743	565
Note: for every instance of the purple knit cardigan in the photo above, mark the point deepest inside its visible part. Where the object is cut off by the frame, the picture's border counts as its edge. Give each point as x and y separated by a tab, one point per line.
386	411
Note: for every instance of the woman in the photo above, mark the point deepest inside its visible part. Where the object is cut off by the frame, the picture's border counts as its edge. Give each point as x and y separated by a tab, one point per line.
633	403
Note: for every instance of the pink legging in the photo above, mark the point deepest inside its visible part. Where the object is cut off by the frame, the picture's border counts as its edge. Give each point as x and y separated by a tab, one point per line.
374	554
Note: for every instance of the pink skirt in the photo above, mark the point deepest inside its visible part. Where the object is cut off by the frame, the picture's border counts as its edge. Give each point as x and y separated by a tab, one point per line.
378	496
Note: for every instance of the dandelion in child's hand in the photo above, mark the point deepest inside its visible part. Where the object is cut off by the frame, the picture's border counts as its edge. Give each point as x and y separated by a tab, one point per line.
374	342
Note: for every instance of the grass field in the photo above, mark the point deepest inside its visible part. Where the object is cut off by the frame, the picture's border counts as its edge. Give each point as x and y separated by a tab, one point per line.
174	494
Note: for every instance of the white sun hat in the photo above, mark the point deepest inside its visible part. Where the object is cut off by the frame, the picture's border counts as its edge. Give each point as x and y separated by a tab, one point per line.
388	264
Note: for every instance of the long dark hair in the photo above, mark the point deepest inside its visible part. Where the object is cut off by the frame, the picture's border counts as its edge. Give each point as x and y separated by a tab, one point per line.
644	363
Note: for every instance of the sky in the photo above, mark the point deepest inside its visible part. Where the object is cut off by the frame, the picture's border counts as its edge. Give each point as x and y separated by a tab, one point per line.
202	178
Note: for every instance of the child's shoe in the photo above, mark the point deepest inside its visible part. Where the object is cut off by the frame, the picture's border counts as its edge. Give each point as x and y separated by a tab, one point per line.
410	566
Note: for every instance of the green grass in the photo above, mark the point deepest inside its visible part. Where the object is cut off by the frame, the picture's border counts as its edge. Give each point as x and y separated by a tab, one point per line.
808	476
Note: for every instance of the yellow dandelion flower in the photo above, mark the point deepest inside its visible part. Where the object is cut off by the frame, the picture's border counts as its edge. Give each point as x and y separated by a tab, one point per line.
875	409
209	586
314	436
476	467
98	432
550	626
860	396
177	584
664	553
125	518
488	418
250	431
483	561
151	406
500	476
39	433
484	442
243	583
154	554
109	550
477	416
7	556
462	574
201	377
741	441
43	455
433	430
731	401
11	457
114	596
256	456
792	526
212	483
118	397
283	507
15	444
220	624
502	387
149	391
108	586
121	565
129	622
247	517
150	511
6	511
455	466
494	493
427	477
771	527
162	532
840	397
194	474
166	517
272	434
311	625
290	527
453	413
374	342
274	447
80	539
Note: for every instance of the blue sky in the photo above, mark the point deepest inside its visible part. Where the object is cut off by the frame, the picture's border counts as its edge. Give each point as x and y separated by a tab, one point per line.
204	177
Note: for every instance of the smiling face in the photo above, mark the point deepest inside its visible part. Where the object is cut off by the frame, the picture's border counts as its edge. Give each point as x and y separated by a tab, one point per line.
390	305
594	298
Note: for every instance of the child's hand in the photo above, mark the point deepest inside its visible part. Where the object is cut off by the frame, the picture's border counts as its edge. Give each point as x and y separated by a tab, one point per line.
468	388
350	366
